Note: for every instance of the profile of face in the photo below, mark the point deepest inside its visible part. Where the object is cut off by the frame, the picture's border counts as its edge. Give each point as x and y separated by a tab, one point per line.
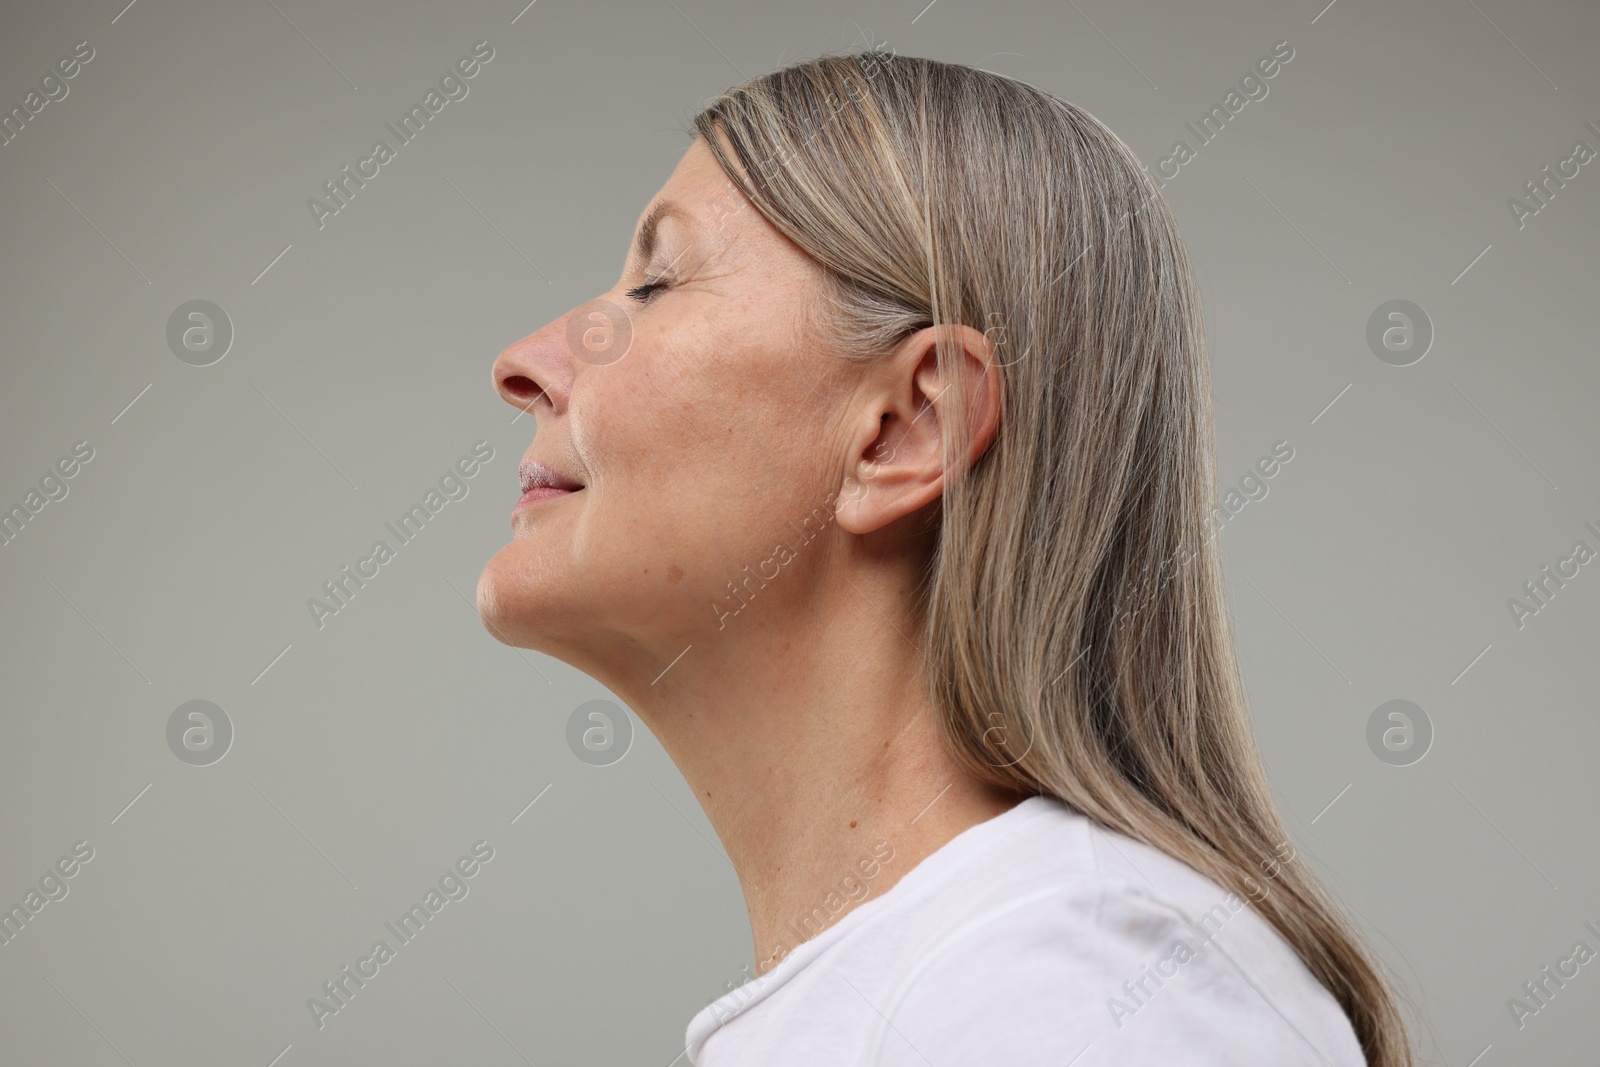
717	432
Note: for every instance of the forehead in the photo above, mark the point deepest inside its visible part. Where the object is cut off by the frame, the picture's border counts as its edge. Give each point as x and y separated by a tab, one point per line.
698	176
698	201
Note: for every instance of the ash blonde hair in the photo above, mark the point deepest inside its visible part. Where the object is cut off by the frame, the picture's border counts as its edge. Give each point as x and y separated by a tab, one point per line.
1074	614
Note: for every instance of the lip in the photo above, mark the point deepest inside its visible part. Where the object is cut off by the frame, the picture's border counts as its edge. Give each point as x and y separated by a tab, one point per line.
540	483
539	494
532	474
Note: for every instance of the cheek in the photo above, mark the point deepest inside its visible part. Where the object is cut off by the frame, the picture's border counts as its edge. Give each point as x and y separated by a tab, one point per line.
697	475
648	514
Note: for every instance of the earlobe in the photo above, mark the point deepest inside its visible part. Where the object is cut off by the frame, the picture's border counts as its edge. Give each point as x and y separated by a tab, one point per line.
847	507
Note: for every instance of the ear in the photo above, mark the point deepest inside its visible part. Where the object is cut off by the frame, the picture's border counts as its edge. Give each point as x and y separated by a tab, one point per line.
896	461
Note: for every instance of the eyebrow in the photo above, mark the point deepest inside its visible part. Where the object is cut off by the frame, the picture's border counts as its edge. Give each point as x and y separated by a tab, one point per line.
644	246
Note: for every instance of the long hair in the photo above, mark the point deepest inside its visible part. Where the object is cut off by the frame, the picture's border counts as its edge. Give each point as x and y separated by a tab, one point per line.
1074	617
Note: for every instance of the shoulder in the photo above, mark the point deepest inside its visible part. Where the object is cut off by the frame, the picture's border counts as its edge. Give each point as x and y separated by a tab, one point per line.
1109	951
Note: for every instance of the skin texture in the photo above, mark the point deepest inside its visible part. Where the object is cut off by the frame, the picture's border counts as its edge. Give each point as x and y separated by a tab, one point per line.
801	723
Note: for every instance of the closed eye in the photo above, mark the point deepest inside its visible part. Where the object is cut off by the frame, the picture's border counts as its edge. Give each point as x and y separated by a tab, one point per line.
643	293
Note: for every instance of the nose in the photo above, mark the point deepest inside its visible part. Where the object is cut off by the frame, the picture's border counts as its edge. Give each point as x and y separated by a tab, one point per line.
537	370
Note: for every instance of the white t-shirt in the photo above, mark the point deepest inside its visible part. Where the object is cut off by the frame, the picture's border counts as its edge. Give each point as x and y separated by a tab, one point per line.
1035	938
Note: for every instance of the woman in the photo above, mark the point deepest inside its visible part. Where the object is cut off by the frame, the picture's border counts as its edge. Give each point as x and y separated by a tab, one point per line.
879	486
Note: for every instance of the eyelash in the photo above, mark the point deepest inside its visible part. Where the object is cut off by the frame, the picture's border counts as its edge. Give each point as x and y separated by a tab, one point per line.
643	293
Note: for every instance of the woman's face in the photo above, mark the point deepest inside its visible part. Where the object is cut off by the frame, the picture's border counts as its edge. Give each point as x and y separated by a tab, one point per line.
702	424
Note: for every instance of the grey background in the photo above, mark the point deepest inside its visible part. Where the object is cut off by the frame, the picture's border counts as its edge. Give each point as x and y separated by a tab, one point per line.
370	754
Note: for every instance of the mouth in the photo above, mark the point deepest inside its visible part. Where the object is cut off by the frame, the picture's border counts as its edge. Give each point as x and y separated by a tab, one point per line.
540	483
543	492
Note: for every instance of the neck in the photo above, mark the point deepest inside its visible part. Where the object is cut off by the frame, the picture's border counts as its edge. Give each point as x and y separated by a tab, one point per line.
805	730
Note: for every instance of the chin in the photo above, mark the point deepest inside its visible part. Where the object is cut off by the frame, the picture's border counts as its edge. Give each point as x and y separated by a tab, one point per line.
516	594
